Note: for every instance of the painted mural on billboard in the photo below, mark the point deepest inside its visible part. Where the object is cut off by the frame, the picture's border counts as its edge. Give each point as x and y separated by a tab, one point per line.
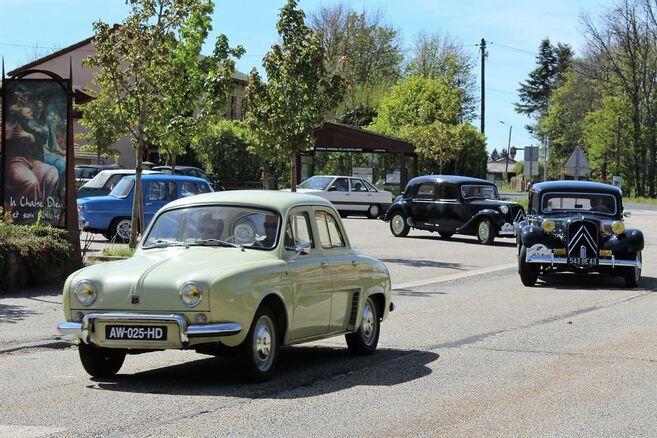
35	139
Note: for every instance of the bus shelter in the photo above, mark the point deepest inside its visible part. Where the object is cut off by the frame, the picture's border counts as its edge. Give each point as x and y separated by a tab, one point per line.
340	149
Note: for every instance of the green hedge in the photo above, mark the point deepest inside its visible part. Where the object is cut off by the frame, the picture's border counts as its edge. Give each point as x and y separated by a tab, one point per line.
33	255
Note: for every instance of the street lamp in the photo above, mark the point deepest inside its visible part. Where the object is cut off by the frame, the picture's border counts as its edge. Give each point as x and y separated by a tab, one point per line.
508	150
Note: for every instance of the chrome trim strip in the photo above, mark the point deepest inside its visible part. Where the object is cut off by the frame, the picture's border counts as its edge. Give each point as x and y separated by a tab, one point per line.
211	330
613	262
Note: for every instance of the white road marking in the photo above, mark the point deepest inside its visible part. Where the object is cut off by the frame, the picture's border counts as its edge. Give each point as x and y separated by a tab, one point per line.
28	431
452	277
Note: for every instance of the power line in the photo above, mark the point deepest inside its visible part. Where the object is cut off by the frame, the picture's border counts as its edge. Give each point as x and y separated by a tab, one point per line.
513	48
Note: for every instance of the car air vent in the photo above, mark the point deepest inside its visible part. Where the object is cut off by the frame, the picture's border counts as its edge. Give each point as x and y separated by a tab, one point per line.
355	299
517	213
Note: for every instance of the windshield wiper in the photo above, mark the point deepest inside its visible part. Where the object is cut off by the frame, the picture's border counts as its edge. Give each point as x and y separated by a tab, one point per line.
161	243
217	242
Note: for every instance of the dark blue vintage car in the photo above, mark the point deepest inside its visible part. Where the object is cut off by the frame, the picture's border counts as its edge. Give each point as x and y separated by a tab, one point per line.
110	215
450	204
577	226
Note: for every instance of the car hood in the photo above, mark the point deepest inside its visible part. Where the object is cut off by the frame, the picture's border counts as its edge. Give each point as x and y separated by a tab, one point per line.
156	275
308	191
90	201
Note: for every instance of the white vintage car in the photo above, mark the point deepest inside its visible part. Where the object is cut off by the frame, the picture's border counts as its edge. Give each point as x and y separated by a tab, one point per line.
349	195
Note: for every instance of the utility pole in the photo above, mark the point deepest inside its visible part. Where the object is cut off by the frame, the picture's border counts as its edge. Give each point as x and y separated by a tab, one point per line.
508	150
483	84
547	157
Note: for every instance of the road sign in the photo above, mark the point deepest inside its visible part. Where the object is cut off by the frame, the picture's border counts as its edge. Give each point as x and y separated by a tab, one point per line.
530	168
577	165
531	153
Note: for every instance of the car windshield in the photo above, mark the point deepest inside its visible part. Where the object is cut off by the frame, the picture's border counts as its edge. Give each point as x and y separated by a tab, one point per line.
216	225
589	202
316	182
123	188
477	191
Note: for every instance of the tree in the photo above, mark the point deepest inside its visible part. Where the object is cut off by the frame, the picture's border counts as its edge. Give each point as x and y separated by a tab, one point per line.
552	63
440	57
224	150
284	111
103	127
494	156
134	63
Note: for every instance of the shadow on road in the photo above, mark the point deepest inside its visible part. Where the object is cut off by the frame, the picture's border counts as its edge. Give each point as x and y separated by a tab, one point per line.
424	263
567	280
472	241
302	372
10	313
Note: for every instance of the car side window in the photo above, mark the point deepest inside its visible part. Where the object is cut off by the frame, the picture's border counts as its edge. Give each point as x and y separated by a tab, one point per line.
112	181
425	191
448	191
341	185
161	191
298	231
357	185
370	186
329	232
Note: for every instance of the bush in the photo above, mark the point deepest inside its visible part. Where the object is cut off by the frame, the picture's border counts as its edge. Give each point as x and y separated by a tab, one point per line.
34	254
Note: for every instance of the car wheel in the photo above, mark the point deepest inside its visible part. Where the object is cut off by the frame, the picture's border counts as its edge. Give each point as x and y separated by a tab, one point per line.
261	347
632	275
373	212
445	235
528	272
365	340
120	229
100	362
398	225
486	232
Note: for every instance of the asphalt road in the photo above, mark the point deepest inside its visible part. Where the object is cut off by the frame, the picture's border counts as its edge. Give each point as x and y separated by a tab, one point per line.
468	352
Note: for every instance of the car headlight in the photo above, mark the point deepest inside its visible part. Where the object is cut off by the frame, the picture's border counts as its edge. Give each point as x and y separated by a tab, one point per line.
191	294
548	226
617	227
85	292
504	209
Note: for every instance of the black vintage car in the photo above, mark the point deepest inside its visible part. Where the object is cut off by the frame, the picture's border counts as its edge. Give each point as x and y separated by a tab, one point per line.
450	205
577	226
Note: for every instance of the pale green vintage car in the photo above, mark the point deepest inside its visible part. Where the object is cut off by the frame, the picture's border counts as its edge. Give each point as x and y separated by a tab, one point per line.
223	272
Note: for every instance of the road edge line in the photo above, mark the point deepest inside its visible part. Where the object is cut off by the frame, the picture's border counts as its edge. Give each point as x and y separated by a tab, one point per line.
452	277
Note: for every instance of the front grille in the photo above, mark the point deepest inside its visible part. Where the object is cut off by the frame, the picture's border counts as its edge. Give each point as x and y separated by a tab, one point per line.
583	243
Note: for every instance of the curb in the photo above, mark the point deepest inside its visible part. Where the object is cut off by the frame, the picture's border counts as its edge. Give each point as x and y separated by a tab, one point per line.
48	343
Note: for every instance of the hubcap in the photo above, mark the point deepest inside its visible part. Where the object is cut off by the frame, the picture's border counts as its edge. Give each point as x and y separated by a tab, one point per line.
374	211
123	229
368	325
398	224
484	231
263	343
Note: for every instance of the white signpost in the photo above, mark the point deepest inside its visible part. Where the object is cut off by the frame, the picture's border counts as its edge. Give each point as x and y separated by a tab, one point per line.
530	167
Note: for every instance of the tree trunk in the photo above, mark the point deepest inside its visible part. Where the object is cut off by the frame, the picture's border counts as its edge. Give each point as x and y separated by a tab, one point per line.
98	157
293	171
173	164
137	220
636	146
651	162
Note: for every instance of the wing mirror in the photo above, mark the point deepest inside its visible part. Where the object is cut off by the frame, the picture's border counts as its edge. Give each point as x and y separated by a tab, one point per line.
332	189
627	214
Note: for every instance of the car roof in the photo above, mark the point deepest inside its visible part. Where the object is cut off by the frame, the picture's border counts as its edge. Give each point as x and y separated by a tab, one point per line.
166	177
571	186
272	199
177	167
454	179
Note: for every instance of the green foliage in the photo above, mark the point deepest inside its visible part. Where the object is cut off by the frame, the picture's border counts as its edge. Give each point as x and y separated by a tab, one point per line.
103	127
552	63
418	101
34	254
284	112
121	251
225	151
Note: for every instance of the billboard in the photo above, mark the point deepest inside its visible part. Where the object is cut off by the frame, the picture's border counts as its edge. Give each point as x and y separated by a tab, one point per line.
34	156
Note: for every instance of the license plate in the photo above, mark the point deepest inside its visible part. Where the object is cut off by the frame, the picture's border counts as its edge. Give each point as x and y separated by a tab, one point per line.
506	229
136	332
584	262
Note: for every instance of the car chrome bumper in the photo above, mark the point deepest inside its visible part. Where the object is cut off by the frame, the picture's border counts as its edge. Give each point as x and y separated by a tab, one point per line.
613	262
83	329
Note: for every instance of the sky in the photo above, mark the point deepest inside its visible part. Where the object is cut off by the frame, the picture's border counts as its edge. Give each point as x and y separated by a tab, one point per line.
512	28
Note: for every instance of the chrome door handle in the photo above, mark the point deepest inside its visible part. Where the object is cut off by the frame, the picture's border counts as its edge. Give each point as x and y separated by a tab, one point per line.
324	265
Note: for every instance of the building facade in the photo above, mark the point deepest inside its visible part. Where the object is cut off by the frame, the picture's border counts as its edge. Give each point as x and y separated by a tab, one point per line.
61	61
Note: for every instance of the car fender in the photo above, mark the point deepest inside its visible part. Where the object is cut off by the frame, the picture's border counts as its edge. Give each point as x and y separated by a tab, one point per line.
397	206
531	235
492	215
631	241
